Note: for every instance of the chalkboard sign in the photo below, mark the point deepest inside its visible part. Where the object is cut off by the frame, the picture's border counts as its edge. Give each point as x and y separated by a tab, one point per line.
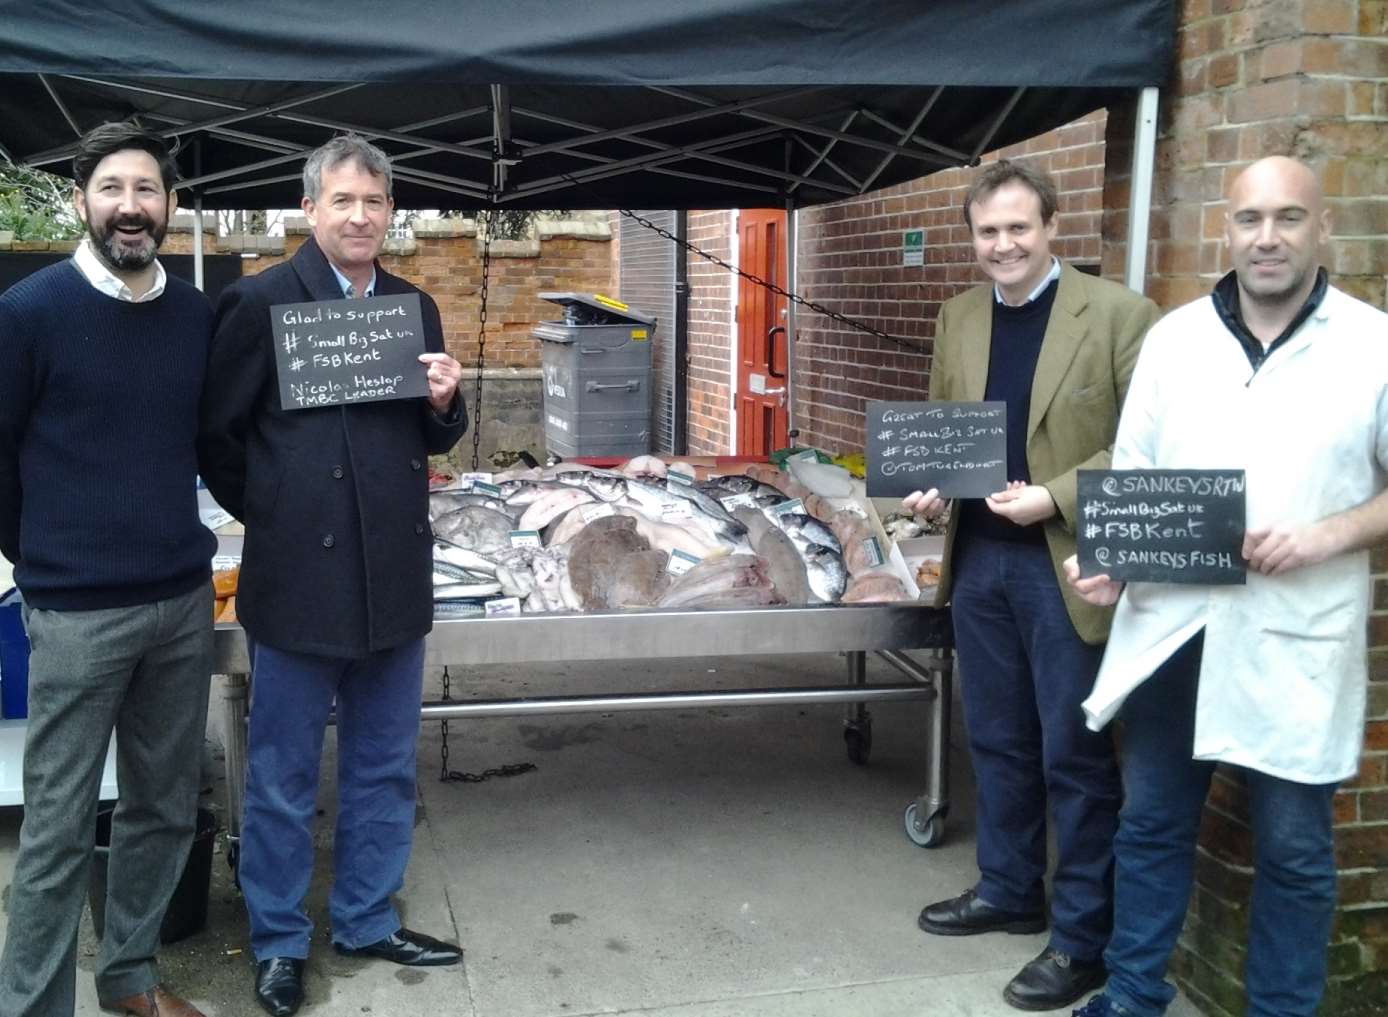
1162	526
958	448
336	352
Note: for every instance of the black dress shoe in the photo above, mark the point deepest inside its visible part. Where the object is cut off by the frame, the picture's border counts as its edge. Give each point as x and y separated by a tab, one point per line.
406	947
1053	980
279	985
966	915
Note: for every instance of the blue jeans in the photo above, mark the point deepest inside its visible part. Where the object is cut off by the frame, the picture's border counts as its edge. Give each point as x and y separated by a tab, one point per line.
1023	674
1293	859
378	700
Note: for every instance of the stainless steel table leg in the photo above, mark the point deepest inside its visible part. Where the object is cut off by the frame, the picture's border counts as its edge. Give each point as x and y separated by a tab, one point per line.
234	700
925	817
857	721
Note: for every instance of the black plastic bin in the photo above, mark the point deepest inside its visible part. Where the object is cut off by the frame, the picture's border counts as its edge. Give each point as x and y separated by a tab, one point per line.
187	911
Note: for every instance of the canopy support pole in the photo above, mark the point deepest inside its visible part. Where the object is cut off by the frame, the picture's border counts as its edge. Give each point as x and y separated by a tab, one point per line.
792	285
197	242
1140	204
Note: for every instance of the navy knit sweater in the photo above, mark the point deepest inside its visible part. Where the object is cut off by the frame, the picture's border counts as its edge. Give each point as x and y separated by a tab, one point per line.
1016	346
98	418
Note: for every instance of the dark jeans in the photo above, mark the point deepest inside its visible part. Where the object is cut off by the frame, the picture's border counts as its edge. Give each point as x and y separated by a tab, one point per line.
143	671
378	700
1023	674
1293	859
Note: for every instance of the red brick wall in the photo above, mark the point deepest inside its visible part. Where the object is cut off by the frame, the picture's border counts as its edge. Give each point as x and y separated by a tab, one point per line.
850	261
711	292
1306	78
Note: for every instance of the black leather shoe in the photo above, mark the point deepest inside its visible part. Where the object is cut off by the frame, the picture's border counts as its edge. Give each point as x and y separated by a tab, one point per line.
1053	980
279	985
406	947
966	915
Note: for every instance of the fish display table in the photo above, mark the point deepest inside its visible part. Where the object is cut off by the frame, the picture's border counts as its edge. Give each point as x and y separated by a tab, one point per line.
889	630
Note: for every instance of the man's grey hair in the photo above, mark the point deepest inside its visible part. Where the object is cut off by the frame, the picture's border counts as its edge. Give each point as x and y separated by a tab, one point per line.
344	148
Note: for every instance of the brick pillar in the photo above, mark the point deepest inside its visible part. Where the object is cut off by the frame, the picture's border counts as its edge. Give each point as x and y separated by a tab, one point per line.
1306	78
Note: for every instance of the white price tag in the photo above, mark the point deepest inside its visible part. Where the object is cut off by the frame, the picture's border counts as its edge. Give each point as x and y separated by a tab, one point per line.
491	490
786	507
679	477
808	455
526	538
503	607
873	551
597	511
681	562
675	511
225	562
214	516
738	501
469	479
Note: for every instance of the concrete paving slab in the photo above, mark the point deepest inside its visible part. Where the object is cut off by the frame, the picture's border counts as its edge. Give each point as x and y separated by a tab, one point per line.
690	863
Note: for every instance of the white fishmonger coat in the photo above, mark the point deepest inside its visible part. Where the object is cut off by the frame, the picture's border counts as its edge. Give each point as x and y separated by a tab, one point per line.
1282	681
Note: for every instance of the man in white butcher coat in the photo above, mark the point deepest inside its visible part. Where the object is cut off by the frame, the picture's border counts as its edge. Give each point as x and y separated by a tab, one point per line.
1283	376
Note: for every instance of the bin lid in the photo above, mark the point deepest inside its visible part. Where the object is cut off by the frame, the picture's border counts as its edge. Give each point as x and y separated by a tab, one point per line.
600	310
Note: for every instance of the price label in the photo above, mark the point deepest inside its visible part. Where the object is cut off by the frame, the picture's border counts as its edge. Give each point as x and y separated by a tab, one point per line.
596	511
489	489
214	516
872	550
681	562
225	562
679	477
526	538
808	455
676	511
795	505
470	479
737	501
503	607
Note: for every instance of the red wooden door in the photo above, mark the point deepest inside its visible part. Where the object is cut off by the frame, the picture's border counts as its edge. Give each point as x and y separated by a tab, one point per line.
761	334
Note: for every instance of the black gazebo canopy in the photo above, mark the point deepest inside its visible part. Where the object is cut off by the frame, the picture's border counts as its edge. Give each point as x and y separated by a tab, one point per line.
577	104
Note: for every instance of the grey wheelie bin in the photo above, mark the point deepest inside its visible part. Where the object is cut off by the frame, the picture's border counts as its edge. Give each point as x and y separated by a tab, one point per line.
597	377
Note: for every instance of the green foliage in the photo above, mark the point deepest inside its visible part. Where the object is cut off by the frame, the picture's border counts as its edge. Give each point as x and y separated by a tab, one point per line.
35	205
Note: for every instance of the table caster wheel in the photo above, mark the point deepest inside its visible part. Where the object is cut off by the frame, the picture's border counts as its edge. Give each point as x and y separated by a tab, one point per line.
857	739
928	835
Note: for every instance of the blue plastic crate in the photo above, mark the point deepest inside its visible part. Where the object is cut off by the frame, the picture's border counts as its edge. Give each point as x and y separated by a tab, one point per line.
14	658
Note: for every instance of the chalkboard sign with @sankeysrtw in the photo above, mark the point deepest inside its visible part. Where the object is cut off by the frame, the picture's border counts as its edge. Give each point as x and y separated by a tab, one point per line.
339	352
958	448
1162	526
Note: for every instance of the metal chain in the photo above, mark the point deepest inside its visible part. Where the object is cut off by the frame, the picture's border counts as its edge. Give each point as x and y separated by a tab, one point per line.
485	224
446	775
443	746
779	291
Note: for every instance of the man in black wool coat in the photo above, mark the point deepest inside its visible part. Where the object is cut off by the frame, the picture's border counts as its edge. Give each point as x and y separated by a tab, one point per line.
336	588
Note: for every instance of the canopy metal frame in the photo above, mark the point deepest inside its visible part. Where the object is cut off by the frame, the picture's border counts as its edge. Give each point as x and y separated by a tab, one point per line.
503	148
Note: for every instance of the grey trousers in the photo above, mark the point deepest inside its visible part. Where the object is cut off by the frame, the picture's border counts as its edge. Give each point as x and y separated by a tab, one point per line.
143	671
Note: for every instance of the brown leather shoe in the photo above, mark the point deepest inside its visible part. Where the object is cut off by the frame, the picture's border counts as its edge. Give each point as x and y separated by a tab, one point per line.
155	1002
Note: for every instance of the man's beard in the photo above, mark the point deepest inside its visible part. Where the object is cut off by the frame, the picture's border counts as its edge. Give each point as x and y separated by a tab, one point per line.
121	256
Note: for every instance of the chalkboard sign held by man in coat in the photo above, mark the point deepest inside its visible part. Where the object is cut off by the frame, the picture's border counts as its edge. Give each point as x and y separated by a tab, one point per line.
335	590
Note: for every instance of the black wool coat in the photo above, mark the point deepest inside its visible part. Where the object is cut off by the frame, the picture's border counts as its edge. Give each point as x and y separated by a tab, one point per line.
338	555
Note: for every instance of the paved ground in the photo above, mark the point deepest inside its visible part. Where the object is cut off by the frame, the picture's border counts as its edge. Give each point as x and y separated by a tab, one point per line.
699	863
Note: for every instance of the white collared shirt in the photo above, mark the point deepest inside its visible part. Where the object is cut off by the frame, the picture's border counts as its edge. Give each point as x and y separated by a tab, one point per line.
1051	277
99	275
348	290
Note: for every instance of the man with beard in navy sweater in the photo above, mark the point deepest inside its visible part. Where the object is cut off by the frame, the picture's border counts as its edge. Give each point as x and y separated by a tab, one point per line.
104	360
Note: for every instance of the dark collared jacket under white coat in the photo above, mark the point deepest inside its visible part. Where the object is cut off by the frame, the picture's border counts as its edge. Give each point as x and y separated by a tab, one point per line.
338	552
